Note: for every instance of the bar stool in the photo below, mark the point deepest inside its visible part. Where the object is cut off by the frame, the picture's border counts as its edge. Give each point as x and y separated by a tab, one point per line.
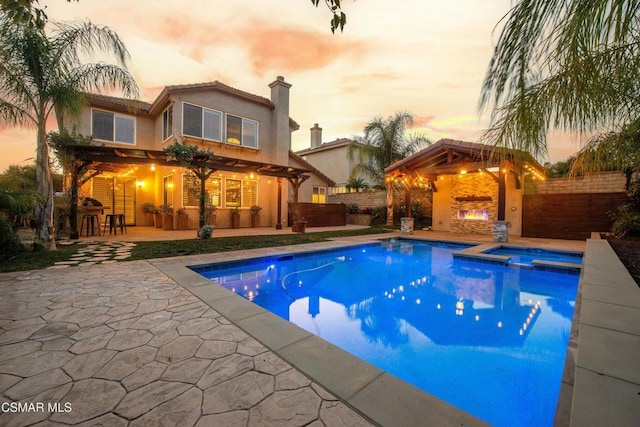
115	221
90	218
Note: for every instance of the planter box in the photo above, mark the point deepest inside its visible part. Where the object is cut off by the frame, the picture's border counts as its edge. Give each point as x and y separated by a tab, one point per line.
235	220
183	221
167	222
158	220
359	219
148	219
255	220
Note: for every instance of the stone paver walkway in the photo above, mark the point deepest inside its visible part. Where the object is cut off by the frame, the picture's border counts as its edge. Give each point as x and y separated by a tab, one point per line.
97	253
123	344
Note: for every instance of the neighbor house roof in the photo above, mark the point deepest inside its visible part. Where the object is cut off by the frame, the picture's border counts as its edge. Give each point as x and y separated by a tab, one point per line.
340	142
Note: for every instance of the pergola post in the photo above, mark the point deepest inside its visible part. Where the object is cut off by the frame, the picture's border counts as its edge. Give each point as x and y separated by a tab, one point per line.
502	193
407	201
389	204
279	214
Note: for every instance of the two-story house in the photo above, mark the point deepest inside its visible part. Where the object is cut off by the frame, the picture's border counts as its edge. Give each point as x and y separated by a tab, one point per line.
333	159
248	137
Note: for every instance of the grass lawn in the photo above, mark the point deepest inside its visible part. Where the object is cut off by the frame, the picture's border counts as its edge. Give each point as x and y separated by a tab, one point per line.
172	248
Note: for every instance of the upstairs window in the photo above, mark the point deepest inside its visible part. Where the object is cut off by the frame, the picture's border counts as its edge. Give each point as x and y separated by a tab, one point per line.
242	132
201	122
167	123
107	126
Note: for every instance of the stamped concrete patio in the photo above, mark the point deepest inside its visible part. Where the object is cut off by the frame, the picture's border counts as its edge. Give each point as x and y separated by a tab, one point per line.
152	343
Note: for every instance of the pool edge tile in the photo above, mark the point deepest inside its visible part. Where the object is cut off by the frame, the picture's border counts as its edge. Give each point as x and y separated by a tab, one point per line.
390	401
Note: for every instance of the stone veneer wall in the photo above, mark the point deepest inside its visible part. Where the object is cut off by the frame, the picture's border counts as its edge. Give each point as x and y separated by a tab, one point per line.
481	185
603	182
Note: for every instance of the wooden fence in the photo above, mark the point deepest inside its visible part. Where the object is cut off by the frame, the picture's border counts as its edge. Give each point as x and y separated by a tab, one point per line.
321	214
568	216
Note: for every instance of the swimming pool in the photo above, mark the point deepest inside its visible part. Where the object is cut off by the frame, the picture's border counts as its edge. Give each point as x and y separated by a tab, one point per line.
489	339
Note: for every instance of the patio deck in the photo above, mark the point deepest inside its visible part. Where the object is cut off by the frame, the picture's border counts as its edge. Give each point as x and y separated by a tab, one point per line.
150	342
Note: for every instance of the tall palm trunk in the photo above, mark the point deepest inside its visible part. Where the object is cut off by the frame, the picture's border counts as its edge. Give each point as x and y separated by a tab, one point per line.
45	231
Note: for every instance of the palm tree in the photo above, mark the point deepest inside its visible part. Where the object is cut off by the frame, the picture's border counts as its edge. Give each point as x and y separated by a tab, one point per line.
40	74
572	66
612	151
385	142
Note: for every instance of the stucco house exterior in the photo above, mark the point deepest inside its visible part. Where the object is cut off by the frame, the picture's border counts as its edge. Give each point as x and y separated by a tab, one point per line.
248	137
332	158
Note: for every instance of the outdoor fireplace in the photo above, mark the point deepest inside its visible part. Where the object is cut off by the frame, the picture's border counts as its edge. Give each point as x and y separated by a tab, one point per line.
477	214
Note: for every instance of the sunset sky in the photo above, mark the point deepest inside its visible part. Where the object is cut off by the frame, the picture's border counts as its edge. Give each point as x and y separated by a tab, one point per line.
427	57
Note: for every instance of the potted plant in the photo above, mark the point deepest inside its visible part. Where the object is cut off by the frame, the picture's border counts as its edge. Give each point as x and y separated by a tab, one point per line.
149	209
157	218
183	219
167	216
235	217
205	232
255	216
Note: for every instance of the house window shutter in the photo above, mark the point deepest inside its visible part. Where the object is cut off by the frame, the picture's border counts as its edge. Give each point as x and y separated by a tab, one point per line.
102	125
250	133
212	125
192	120
125	130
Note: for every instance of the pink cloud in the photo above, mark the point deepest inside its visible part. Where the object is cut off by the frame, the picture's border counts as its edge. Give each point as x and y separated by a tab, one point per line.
290	50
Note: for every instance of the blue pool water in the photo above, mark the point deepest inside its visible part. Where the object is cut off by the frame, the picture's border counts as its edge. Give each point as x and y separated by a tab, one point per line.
489	339
525	256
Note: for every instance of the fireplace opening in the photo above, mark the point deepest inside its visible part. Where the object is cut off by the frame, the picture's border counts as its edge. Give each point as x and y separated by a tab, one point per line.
477	214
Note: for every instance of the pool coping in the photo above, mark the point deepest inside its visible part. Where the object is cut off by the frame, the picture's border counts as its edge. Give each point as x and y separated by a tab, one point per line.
377	395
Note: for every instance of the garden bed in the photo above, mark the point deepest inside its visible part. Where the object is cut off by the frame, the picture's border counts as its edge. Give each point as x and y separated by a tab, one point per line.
628	250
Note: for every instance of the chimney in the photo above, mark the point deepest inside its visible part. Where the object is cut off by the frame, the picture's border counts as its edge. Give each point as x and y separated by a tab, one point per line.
281	131
316	136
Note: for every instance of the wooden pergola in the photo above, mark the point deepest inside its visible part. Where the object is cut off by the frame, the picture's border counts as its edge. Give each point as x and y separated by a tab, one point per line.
113	159
450	157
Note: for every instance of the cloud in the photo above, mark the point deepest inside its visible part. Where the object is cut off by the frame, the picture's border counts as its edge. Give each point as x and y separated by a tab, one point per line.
291	49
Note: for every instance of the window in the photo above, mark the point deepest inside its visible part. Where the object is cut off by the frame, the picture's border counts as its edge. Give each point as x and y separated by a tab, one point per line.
108	126
233	193
242	131
239	193
167	190
191	190
249	193
319	195
201	122
167	123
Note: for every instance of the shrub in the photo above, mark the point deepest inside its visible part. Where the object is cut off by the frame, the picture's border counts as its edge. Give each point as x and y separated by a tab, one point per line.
626	220
9	241
352	209
205	232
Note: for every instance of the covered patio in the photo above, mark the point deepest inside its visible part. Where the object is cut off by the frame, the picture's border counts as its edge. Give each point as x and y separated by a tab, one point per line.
474	187
90	161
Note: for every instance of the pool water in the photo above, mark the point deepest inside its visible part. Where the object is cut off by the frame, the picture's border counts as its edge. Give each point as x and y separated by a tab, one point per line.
525	256
488	339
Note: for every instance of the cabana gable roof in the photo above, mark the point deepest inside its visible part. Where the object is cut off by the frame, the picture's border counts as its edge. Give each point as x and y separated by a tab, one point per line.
447	156
110	159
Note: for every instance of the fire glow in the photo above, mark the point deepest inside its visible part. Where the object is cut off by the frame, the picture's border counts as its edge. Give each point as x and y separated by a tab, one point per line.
477	214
